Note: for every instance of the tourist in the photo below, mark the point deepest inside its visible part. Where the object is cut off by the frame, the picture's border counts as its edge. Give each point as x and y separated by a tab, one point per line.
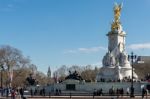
121	91
43	91
111	91
21	92
35	91
128	91
101	91
59	91
143	92
13	94
49	94
56	91
146	92
94	93
31	92
7	92
117	92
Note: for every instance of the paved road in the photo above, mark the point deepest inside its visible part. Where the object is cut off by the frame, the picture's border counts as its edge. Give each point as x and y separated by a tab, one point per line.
82	97
90	97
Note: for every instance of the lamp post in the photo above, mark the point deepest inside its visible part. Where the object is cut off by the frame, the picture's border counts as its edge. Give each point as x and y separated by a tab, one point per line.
1	68
132	57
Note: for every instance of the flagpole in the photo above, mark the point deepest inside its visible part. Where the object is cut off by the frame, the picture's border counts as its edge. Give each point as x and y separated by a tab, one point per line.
10	77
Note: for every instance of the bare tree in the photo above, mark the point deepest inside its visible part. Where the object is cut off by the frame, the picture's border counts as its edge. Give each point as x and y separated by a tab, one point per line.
20	76
77	68
41	78
12	59
62	71
88	73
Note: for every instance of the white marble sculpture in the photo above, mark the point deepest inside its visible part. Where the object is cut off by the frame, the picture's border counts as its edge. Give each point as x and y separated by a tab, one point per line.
115	63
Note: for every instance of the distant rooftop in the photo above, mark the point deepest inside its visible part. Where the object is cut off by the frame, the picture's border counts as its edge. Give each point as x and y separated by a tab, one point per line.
144	59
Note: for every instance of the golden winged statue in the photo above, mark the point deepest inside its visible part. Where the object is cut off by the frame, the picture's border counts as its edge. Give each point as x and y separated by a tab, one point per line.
117	13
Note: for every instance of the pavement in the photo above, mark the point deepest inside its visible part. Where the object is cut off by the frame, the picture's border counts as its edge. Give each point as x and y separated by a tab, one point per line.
80	97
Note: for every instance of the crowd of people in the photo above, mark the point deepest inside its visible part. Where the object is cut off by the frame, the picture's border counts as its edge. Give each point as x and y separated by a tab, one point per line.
98	92
112	92
15	93
125	79
119	92
58	92
36	91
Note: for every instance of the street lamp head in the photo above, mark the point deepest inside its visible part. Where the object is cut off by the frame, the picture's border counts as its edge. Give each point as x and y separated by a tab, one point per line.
132	57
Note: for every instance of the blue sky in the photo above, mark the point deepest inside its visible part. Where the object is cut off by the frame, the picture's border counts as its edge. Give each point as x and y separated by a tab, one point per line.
69	32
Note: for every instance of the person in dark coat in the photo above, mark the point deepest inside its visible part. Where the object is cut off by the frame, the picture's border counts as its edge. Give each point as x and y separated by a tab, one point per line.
31	92
35	92
7	92
21	92
43	91
143	92
13	94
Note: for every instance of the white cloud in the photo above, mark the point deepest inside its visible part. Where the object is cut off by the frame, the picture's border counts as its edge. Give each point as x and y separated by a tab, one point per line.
86	50
139	46
97	64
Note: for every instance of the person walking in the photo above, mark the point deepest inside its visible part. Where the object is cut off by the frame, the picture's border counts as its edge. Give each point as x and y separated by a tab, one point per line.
31	92
128	91
43	91
7	92
143	92
13	94
146	92
35	92
21	92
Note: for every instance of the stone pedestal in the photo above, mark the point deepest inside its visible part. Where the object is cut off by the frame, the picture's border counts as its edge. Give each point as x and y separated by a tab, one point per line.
115	63
115	73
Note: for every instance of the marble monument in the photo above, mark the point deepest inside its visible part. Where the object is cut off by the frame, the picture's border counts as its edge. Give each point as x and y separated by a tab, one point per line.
115	63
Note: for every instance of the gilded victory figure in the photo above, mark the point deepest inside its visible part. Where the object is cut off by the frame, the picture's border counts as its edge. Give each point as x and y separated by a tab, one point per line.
117	12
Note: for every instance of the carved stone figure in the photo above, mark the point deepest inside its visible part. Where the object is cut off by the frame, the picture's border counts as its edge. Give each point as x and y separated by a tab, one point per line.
123	58
106	59
112	61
